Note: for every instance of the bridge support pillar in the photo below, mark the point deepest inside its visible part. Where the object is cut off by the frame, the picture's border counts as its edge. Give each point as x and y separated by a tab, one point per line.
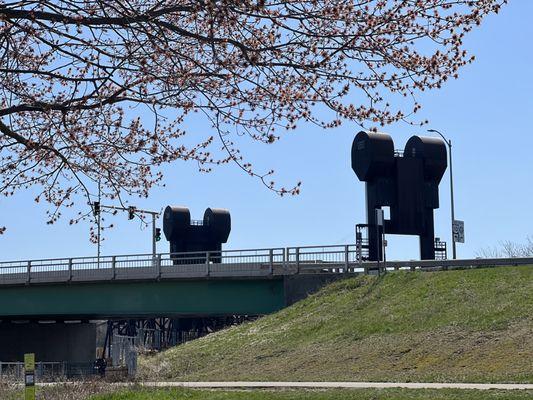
51	342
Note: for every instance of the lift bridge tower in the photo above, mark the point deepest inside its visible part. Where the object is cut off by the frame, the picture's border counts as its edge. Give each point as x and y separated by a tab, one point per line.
406	181
196	236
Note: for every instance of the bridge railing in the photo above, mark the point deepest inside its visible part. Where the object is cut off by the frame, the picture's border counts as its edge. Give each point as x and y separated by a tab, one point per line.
226	263
254	262
332	258
46	371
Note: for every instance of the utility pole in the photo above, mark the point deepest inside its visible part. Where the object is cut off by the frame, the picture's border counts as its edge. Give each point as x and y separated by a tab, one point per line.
99	222
449	144
153	236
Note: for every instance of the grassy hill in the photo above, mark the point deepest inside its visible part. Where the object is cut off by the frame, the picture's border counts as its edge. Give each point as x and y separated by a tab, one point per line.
462	326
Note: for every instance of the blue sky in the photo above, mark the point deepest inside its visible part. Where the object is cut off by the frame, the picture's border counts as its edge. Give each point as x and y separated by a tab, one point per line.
487	113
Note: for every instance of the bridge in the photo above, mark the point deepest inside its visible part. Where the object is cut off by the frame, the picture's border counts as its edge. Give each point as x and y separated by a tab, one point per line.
239	282
229	282
48	294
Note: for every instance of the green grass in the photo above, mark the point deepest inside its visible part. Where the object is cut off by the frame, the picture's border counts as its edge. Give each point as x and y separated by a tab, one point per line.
386	394
92	392
460	326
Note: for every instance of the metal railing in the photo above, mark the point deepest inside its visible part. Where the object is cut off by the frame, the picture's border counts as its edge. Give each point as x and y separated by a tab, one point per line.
398	153
226	263
46	371
329	258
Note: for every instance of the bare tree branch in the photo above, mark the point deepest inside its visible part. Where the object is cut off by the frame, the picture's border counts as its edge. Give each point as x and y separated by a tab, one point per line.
76	77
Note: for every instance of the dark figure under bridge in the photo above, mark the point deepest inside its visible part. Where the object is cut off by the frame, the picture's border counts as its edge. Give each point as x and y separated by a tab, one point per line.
407	182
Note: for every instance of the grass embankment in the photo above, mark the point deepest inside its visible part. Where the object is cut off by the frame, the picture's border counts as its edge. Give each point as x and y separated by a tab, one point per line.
460	326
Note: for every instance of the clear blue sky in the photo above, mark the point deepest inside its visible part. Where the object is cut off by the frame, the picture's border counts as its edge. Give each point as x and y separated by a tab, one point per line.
487	114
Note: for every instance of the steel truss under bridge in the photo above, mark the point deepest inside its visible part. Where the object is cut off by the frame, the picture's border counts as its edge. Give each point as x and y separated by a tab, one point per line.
162	333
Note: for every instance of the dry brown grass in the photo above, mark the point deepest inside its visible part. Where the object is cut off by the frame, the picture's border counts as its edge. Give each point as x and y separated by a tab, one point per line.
76	391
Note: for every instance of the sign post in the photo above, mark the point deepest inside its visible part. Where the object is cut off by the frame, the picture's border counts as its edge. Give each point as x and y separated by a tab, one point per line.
380	222
29	376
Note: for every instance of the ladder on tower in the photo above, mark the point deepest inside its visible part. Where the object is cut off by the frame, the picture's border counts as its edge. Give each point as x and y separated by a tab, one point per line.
441	252
361	243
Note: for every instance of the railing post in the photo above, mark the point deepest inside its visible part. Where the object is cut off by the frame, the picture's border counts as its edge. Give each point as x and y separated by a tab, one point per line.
297	254
271	261
207	263
113	267
70	269
346	259
158	264
28	278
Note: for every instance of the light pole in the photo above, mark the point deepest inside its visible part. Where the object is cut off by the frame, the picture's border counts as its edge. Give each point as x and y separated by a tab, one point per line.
449	143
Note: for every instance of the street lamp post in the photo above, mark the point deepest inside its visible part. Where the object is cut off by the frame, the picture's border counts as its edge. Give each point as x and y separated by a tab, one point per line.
449	143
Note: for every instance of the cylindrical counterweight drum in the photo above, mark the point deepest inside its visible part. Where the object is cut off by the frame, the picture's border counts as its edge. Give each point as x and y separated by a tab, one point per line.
176	222
218	221
433	151
372	155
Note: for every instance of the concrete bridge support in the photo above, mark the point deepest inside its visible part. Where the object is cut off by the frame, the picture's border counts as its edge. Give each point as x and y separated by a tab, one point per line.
51	342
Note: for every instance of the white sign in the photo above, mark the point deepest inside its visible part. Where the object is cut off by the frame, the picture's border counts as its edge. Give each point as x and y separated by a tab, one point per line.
458	228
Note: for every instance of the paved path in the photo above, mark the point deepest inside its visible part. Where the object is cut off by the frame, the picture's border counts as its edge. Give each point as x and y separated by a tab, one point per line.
340	385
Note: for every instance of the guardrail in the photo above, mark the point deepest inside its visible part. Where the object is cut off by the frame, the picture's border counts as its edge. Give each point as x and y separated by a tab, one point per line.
226	263
332	257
